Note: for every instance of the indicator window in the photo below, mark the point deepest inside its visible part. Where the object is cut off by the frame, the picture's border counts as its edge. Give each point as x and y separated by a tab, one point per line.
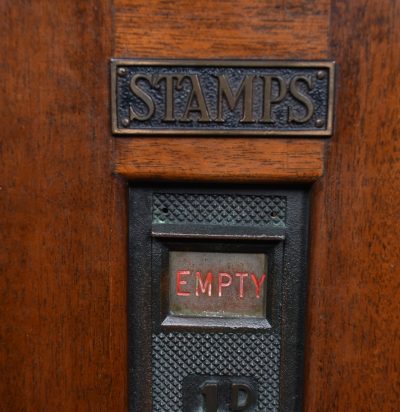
219	285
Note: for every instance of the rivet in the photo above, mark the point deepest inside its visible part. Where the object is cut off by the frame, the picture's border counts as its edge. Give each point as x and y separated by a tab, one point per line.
319	123
320	74
121	71
125	122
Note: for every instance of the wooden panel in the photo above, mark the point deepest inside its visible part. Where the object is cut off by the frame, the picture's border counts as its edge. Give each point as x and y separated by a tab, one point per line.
354	310
220	160
222	29
62	214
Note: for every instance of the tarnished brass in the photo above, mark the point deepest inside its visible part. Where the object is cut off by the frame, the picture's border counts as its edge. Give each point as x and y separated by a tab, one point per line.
222	97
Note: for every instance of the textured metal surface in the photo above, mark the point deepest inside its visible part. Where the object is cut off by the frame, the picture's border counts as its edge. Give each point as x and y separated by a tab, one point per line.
265	97
219	209
176	355
161	355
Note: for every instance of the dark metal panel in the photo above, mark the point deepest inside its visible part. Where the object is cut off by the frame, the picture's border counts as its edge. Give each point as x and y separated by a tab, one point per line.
165	349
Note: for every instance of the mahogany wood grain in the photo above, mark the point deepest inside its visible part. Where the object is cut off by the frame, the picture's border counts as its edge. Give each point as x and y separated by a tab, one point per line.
62	213
220	160
221	29
288	29
354	306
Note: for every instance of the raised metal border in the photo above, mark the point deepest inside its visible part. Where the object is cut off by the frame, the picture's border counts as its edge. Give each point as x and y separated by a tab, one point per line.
163	321
330	65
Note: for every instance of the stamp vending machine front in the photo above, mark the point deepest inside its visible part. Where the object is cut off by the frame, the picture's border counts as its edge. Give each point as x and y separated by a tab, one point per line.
218	273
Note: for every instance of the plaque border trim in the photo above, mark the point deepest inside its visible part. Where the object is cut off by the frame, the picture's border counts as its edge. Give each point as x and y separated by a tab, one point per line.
330	65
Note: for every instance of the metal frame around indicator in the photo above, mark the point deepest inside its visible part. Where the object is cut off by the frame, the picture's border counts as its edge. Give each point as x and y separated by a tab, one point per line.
115	63
145	308
163	320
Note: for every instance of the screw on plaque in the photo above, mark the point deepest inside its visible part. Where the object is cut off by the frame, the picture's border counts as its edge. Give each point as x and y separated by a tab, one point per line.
122	71
319	122
125	122
320	74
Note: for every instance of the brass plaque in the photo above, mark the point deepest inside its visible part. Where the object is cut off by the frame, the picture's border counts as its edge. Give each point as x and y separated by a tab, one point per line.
220	97
212	284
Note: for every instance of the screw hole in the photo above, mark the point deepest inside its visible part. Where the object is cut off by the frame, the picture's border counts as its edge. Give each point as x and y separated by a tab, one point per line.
165	210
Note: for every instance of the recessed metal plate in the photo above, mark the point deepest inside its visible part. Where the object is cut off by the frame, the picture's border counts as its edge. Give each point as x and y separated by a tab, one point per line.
211	97
213	350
